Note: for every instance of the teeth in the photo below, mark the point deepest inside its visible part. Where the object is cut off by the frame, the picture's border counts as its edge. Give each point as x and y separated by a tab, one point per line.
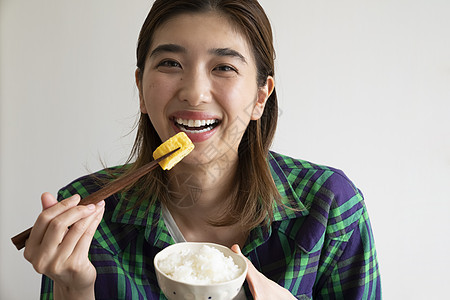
194	123
197	131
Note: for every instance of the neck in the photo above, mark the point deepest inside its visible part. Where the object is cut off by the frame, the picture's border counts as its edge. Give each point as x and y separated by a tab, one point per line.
202	189
201	193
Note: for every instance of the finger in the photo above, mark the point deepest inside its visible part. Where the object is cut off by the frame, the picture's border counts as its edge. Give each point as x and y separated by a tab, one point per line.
236	249
253	275
252	279
57	227
47	200
82	247
58	208
42	222
260	286
82	232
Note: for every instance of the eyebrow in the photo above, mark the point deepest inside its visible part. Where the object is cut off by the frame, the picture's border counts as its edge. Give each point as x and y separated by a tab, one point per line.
173	48
227	52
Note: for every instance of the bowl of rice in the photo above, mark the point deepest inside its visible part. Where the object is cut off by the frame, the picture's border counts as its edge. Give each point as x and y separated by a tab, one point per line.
193	270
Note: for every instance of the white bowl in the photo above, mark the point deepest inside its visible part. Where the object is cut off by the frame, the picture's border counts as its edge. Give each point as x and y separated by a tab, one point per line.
175	290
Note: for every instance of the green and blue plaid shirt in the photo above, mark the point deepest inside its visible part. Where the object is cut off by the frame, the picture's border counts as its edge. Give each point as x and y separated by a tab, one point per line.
322	250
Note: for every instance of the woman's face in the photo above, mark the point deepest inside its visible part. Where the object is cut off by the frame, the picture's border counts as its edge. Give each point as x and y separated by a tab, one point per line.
200	78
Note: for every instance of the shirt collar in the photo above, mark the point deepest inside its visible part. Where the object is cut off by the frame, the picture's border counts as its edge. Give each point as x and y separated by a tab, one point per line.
130	212
291	206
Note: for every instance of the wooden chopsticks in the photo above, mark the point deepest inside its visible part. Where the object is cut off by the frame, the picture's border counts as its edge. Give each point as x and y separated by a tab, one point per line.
108	190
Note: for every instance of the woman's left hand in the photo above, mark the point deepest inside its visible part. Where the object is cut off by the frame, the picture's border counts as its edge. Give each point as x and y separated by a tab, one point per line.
260	286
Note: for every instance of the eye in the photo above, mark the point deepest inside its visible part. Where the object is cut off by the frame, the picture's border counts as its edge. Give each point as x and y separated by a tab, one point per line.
168	64
225	68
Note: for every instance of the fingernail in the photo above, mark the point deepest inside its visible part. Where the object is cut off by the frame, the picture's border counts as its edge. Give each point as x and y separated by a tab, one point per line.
101	203
91	206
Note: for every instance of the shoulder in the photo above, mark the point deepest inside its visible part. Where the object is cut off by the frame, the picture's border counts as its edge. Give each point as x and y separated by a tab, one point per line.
305	178
327	201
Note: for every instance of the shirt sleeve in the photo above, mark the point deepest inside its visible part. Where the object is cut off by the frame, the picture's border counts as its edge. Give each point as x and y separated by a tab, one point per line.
355	273
46	288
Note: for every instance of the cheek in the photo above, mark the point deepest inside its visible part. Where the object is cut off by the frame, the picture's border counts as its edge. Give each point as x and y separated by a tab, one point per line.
239	99
157	93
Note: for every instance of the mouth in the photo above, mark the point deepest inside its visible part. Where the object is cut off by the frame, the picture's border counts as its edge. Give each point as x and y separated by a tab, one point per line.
196	126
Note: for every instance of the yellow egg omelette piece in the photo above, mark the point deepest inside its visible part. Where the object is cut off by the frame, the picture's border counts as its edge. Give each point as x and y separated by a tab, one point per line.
179	140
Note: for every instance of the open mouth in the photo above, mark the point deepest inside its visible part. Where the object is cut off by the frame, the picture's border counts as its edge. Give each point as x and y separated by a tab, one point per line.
196	126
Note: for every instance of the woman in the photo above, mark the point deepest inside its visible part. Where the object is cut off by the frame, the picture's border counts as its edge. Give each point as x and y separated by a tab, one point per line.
206	67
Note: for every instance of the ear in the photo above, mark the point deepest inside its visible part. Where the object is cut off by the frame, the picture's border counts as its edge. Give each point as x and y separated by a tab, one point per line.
264	93
138	77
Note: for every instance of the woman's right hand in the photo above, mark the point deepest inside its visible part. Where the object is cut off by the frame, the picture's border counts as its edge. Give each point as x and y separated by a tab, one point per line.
60	252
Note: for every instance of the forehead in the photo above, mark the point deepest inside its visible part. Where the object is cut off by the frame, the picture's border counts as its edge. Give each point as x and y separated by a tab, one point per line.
196	30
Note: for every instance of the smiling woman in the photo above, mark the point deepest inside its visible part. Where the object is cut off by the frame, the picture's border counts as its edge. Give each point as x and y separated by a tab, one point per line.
188	74
206	68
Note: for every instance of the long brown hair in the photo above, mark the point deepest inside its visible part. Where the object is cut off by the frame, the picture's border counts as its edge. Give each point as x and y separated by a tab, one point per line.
255	190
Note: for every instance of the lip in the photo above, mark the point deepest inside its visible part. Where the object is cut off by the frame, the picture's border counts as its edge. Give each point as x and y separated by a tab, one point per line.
194	115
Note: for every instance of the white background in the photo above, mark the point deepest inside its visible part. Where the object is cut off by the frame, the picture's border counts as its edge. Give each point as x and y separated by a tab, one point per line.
364	86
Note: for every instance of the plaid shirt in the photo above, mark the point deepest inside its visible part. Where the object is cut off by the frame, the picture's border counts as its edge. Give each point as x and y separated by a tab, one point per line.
322	250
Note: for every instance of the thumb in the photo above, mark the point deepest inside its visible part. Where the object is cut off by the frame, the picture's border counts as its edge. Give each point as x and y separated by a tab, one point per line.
253	275
48	200
235	248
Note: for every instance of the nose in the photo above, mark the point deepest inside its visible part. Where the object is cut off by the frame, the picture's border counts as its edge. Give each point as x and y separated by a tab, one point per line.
195	88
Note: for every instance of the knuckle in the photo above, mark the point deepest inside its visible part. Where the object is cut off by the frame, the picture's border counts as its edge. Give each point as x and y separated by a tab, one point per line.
78	228
40	266
76	266
54	268
90	231
27	253
57	224
81	209
44	217
65	203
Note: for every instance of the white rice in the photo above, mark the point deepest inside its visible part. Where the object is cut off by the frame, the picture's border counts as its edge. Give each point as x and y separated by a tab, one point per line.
205	266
